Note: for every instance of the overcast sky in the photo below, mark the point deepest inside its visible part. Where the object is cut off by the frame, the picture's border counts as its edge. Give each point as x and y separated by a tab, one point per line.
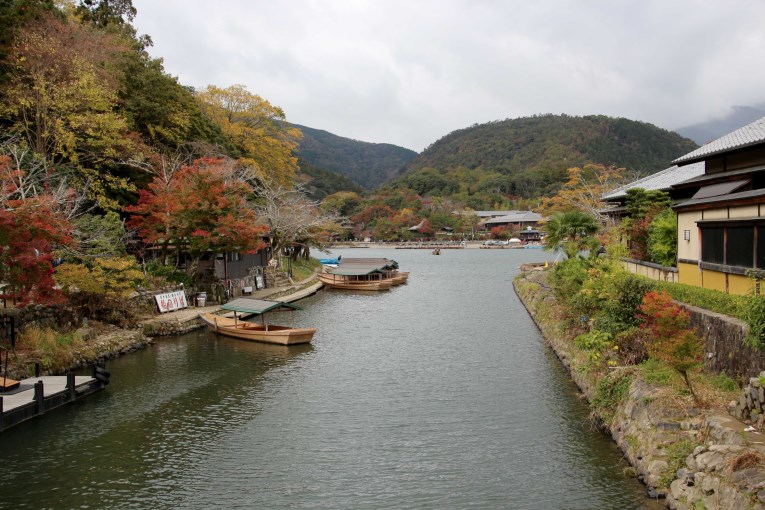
409	72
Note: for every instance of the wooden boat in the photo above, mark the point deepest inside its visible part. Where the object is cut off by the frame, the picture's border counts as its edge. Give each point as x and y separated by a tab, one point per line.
349	282
353	272
263	332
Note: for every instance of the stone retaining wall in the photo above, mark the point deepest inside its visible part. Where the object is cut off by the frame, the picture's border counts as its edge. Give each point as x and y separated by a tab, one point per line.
169	327
751	402
723	472
52	316
724	338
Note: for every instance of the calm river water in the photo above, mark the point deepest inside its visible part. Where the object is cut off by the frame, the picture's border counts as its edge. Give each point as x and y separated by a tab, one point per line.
439	394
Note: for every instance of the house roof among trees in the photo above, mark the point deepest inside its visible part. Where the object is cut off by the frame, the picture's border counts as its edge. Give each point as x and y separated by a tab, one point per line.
751	134
663	180
516	217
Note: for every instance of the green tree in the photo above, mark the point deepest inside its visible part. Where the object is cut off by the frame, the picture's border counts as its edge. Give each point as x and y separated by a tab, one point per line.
572	232
662	238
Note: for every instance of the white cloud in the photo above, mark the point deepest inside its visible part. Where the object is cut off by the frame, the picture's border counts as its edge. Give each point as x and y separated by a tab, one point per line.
409	72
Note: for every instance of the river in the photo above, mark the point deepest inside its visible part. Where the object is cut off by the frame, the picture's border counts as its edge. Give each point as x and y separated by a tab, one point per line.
438	394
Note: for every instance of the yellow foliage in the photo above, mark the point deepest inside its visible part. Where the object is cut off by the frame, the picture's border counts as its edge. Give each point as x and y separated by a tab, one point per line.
112	277
257	128
584	190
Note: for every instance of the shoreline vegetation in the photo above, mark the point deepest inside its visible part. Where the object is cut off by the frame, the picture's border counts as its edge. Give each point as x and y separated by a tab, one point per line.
59	350
693	453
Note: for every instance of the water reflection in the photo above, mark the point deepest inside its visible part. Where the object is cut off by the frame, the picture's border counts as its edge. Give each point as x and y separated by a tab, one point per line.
436	394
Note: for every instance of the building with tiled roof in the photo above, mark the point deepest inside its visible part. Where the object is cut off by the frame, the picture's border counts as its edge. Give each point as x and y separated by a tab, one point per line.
721	222
663	180
513	219
750	135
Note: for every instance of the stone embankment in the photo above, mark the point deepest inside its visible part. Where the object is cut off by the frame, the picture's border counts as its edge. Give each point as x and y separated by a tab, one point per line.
695	458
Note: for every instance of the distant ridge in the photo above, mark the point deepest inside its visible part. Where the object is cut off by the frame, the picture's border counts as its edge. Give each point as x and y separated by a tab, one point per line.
367	164
529	156
713	129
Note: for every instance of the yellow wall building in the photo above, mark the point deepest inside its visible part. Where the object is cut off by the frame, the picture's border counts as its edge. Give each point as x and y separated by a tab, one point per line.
721	227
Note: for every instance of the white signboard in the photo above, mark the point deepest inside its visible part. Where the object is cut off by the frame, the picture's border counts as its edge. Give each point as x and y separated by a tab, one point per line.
171	301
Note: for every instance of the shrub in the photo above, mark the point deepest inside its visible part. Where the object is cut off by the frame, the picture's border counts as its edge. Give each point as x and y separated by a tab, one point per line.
168	273
670	339
102	287
754	315
595	343
655	372
609	393
630	347
713	300
567	279
621	301
677	452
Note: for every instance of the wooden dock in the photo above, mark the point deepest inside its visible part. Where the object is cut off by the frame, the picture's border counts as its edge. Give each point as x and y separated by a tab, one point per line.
38	395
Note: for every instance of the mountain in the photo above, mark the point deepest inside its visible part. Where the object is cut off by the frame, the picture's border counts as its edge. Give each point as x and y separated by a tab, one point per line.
713	129
320	183
529	156
368	164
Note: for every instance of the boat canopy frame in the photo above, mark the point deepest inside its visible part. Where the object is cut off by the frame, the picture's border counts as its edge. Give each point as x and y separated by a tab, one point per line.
258	306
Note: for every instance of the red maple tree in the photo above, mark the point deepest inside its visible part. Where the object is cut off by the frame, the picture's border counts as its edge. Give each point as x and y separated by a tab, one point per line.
30	229
202	209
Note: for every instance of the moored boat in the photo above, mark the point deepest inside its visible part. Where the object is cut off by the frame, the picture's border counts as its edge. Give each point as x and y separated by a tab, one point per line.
355	280
263	332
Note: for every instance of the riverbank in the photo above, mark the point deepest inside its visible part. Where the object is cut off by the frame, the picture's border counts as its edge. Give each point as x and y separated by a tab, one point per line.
695	458
97	341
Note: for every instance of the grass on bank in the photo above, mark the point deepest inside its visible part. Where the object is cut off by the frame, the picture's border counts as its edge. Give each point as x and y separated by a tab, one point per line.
55	351
302	268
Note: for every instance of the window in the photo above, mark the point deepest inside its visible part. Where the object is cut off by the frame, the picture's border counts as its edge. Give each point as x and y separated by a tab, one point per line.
713	245
733	245
739	247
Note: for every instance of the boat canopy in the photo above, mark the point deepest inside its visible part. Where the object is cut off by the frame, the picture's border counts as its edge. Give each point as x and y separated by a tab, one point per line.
356	270
382	263
257	306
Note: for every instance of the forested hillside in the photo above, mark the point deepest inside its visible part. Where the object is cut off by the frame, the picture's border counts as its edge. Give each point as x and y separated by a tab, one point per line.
529	156
320	183
368	164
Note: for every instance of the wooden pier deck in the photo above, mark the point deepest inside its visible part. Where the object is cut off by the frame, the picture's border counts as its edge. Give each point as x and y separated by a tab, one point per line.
38	395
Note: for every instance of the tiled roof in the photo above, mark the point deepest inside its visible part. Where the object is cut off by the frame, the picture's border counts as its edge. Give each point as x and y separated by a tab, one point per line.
750	134
491	214
516	217
743	195
661	180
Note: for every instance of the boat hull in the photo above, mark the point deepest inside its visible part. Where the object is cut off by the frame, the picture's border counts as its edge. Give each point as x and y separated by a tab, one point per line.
336	282
280	335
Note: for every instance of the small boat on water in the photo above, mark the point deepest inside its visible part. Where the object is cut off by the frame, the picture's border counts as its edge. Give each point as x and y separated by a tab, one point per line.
363	274
356	279
258	332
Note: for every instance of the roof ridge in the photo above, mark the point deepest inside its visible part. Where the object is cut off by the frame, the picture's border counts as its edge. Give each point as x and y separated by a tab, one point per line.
751	134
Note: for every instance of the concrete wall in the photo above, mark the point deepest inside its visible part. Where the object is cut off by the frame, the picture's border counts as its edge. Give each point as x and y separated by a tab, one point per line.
652	271
691	249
